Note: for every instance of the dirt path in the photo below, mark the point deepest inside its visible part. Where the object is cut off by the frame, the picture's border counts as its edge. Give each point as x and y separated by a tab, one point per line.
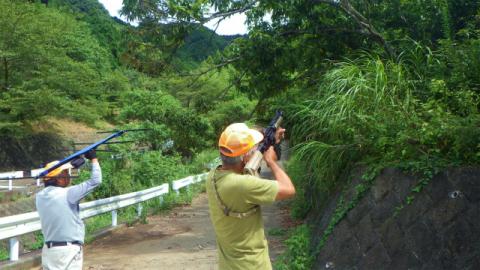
183	239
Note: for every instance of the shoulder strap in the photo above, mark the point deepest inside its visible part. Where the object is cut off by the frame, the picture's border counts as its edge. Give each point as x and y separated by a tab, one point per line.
227	211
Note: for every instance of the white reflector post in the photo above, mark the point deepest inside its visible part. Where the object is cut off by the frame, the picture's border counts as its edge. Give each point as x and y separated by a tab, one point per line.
160	200
10	184
114	218
14	249
139	209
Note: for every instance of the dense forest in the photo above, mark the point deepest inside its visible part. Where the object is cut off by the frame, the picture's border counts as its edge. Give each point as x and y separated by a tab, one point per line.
362	83
70	59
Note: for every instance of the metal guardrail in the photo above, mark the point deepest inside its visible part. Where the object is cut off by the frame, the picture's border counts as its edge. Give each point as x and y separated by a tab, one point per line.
9	176
13	226
16	174
178	184
21	175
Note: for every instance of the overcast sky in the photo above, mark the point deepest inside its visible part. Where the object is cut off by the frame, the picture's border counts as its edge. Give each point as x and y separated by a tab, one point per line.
231	26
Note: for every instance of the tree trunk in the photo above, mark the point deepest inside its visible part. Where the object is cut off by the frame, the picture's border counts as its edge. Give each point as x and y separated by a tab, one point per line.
364	24
5	66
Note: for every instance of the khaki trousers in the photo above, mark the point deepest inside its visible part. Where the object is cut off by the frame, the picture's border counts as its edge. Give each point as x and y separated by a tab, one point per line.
62	258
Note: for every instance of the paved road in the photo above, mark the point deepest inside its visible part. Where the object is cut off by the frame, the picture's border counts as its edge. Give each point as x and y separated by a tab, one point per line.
183	239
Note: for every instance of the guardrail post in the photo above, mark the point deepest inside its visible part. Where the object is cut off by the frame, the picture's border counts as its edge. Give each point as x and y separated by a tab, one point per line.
177	192
139	209
10	183
14	249
114	218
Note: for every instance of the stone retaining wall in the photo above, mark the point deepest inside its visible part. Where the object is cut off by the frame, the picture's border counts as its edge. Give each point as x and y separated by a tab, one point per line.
440	229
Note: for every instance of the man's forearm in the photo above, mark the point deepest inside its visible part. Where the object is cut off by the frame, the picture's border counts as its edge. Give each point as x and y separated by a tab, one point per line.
77	192
96	176
285	186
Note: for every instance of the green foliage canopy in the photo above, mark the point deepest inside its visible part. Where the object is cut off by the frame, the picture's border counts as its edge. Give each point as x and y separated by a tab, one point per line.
57	47
168	120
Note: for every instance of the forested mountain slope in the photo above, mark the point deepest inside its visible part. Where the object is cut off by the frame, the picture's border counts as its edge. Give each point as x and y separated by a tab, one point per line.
200	43
70	59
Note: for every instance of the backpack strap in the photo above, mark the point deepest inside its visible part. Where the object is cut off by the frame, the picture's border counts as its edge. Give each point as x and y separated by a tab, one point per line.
227	211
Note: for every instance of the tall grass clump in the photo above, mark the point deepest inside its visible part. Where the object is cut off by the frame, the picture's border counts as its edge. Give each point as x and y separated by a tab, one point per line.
360	105
375	111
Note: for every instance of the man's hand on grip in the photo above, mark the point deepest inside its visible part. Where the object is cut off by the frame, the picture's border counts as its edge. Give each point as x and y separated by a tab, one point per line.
279	134
91	154
270	156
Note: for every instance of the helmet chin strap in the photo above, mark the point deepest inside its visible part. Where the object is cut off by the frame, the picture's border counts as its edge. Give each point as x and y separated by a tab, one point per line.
51	183
56	181
244	162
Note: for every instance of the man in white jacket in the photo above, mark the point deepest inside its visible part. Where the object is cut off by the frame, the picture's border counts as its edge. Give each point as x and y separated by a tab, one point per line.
58	208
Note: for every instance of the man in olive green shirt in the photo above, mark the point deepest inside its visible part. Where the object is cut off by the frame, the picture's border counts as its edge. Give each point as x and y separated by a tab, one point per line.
234	199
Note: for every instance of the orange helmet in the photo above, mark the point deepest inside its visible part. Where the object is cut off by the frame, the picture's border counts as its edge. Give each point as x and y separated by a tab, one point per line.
237	139
57	171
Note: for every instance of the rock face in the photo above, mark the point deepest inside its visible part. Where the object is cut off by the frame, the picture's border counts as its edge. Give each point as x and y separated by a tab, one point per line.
439	229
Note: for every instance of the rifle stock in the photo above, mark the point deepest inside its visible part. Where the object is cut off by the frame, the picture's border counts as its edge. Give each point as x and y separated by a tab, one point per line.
254	163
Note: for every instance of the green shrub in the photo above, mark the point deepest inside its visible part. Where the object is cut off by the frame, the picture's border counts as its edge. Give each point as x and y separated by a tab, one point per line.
297	256
302	203
204	161
37	243
4	255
